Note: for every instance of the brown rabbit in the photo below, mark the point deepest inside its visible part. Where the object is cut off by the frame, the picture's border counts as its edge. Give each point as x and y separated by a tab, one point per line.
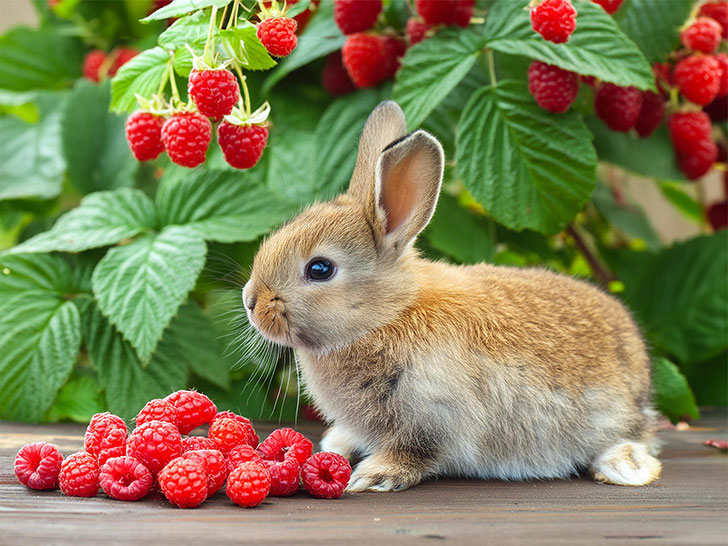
428	369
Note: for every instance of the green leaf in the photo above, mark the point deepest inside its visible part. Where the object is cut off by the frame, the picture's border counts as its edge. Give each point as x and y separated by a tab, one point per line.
38	59
708	380
78	400
596	48
674	192
40	334
243	45
185	30
528	168
182	60
673	396
432	69
654	25
102	218
94	141
139	286
224	206
182	7
298	7
141	75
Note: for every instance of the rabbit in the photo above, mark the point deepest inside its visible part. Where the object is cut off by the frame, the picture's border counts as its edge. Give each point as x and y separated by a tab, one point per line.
426	369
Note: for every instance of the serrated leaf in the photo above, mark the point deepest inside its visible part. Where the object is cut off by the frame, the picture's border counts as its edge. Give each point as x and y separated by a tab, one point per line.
673	396
182	7
33	273
432	69
182	60
141	75
597	47
297	8
528	168
78	400
102	218
185	30
140	286
224	206
245	47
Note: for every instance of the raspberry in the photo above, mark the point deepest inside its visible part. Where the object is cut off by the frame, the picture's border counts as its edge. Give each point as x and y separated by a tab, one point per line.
228	433
193	408
284	476
214	92
184	483
37	465
555	20
663	78
144	135
214	464
610	6
334	77
718	215
718	109
703	35
553	88
92	65
591	81
242	454
242	145
717	11
248	484
698	162
283	441
326	475
154	444
618	107
394	49
125	478
722	59
278	35
364	57
356	15
253	438
416	30
186	137
698	78
79	475
653	107
192	443
157	410
123	56
445	12
687	129
105	436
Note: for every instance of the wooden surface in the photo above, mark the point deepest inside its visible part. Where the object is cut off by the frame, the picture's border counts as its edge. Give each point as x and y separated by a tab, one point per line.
689	505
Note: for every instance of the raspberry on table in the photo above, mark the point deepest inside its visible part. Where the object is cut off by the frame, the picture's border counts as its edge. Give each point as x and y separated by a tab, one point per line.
326	475
334	77
105	436
248	484
186	136
191	443
154	444
278	35
79	475
698	78
193	408
618	107
553	88
214	92
356	15
157	410
653	108
92	65
228	433
699	161
703	35
687	129
241	454
144	135
37	465
416	30
184	482
285	476
364	57
445	12
283	441
242	145
253	438
214	464
125	478
610	6
122	56
717	11
555	20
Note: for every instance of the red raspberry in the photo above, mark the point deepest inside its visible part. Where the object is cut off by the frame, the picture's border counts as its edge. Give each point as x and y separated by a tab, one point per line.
283	441
555	20
610	6
364	57
253	438
698	78
718	215
105	436
618	107
214	464
125	478
284	476
157	410
79	475
184	482
591	81
717	11
144	135
445	12
193	408
242	145
687	129
228	433
553	88
698	162
92	65
123	55
154	443
248	484
416	30
278	35
703	35
722	59
653	107
192	443
326	475
718	109
334	77
214	92
186	137
242	454
394	49
663	78
356	15
37	465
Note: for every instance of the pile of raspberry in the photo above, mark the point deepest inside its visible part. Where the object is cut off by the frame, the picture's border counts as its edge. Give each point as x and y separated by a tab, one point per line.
158	457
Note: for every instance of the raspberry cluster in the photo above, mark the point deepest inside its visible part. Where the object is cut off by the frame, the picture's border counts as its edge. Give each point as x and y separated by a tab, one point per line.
99	65
187	470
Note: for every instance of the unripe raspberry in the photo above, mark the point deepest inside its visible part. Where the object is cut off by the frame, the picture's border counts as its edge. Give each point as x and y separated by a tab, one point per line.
555	20
698	78
144	135
186	137
618	107
356	15
703	35
553	88
214	92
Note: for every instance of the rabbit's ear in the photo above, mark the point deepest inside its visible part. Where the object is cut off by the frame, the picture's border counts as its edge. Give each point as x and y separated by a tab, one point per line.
408	176
384	125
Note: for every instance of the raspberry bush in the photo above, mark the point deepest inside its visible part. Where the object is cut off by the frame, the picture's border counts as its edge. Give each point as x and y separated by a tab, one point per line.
145	158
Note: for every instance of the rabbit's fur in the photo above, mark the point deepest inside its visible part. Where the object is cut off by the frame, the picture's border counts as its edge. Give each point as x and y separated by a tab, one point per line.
428	369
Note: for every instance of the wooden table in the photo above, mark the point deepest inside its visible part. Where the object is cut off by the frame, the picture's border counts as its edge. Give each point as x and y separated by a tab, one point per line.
689	505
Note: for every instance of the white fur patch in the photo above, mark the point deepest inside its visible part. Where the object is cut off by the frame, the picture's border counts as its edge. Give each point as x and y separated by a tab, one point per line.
627	463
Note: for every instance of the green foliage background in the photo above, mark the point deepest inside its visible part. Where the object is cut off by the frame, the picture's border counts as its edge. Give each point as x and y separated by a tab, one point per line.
121	281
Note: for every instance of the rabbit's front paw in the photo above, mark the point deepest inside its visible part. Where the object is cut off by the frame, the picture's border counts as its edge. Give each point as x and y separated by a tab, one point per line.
378	474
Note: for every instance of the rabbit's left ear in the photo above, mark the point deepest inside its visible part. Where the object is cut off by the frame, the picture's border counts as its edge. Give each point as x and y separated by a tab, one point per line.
408	176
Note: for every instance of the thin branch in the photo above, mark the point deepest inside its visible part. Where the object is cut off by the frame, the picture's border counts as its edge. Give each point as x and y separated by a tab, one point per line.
603	275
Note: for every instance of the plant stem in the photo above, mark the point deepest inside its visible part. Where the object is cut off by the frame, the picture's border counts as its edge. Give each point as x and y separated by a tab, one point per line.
491	66
603	275
173	83
246	94
222	19
165	78
213	23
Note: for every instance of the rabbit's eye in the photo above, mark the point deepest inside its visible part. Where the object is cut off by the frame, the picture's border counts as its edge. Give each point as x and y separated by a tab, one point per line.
319	269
